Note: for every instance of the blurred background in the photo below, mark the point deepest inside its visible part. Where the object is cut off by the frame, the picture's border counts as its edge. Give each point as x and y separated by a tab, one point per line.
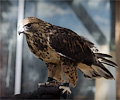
97	20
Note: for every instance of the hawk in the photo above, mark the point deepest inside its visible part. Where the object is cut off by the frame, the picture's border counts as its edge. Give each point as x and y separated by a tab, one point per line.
64	51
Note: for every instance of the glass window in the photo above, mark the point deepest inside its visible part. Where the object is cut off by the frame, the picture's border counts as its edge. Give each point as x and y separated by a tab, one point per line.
8	26
88	18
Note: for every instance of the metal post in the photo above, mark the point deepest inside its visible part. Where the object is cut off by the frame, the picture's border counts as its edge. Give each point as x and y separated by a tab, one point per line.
18	69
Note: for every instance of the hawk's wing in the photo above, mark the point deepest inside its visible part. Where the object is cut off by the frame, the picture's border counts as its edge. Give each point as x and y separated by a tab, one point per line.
71	45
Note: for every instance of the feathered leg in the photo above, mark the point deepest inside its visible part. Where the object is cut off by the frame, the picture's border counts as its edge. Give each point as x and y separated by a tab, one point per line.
54	74
71	75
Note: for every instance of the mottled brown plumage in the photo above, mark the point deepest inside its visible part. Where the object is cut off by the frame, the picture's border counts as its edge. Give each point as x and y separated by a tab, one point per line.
64	51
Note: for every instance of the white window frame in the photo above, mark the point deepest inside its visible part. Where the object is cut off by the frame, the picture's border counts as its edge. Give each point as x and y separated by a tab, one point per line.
18	70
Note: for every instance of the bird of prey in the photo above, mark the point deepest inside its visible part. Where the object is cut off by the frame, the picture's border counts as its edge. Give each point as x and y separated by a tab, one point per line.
64	51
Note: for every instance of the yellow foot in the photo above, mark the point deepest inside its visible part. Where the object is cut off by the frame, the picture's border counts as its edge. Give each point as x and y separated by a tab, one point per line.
65	89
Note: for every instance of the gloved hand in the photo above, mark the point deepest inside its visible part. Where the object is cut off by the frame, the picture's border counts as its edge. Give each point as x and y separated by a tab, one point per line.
43	92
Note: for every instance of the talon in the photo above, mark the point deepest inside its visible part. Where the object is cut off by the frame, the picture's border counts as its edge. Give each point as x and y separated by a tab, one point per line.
65	89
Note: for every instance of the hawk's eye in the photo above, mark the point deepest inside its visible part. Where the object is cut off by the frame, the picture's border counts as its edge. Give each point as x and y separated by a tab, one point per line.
28	26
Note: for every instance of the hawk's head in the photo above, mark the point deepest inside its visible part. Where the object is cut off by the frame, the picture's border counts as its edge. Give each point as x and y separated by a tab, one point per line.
31	25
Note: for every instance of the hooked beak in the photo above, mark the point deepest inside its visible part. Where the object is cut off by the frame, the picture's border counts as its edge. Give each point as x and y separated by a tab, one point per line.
20	29
19	32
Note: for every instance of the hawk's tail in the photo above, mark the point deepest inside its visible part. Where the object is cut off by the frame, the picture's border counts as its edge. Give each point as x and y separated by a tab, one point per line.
98	70
95	71
102	71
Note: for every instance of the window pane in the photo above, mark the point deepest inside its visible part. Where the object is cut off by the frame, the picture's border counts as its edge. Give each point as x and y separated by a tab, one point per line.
8	26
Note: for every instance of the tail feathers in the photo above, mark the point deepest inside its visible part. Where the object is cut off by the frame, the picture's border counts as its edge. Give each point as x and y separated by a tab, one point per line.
100	55
102	59
91	74
95	71
88	71
108	62
103	71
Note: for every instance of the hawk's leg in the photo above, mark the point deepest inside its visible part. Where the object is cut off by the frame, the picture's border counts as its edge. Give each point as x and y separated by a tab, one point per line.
54	72
54	75
50	79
